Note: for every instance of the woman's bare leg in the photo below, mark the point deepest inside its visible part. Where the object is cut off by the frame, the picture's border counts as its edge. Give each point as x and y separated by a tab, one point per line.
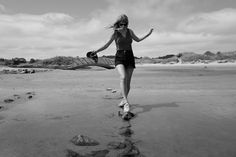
129	73
123	81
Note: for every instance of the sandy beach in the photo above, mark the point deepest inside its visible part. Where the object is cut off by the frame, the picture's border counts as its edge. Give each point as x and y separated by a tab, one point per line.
181	111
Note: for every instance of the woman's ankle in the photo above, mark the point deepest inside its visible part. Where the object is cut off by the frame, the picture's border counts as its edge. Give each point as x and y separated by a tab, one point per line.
125	101
126	107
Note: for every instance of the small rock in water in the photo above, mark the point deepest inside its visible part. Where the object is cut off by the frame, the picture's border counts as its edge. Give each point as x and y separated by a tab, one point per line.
30	93
8	100
81	140
16	96
109	89
1	107
29	97
113	91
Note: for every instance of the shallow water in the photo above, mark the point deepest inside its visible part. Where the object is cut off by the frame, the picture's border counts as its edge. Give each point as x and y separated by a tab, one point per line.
186	111
182	111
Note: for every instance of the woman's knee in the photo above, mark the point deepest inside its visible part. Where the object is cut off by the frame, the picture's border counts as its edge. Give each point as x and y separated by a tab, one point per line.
123	77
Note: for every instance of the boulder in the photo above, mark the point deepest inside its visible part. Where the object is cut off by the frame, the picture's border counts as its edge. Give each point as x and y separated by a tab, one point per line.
109	89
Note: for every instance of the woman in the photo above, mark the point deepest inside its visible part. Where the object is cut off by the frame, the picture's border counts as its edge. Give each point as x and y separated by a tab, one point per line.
124	58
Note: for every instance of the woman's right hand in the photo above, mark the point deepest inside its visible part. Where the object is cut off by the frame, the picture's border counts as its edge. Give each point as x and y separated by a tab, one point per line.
94	53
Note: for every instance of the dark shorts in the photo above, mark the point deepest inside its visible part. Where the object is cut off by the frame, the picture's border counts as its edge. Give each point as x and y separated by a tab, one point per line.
125	57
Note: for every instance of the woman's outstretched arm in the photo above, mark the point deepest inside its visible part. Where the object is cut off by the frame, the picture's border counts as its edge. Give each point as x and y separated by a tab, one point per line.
140	39
106	45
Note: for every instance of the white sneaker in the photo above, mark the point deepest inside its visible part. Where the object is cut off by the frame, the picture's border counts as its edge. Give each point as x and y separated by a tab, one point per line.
126	107
122	103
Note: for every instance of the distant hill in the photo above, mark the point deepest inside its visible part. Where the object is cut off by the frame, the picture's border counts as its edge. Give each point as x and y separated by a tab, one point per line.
58	62
208	56
65	62
209	53
191	57
145	60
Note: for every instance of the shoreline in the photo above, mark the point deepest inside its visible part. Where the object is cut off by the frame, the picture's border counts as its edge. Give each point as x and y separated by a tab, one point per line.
2	67
189	64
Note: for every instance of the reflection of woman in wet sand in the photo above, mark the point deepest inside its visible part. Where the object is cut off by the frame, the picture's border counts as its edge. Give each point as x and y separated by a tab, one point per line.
124	58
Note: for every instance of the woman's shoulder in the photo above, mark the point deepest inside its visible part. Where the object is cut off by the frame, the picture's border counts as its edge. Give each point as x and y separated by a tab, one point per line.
130	30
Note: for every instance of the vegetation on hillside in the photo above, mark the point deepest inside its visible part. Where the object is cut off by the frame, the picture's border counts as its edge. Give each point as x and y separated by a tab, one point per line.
63	62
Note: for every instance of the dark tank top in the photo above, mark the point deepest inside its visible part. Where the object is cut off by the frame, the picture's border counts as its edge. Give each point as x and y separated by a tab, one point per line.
123	43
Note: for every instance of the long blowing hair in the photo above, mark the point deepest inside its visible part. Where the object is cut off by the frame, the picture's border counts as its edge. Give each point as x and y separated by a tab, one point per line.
121	19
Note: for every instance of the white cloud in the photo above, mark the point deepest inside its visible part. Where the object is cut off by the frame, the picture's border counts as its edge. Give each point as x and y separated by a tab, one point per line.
174	42
140	9
48	32
56	32
218	22
2	8
169	38
57	18
176	29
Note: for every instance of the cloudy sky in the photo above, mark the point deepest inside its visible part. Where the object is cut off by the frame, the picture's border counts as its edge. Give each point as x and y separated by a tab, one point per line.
48	28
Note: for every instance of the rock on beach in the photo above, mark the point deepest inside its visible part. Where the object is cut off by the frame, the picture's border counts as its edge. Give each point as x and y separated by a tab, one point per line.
81	140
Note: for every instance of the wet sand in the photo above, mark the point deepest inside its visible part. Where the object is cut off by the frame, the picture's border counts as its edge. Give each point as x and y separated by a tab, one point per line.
182	111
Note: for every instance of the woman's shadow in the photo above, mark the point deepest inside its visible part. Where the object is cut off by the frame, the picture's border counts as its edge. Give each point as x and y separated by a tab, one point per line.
148	108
